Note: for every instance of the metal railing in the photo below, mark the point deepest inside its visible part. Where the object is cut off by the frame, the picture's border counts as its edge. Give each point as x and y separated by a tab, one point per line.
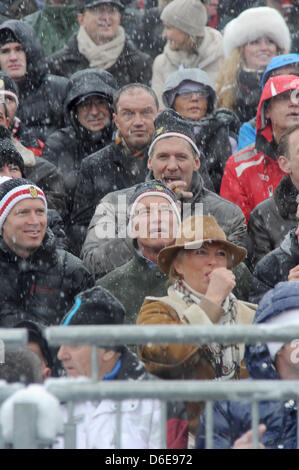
184	390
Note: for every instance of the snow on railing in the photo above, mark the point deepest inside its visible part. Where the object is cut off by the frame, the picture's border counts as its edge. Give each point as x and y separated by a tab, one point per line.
73	390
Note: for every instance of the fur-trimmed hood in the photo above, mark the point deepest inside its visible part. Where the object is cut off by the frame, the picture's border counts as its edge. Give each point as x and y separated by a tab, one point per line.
255	23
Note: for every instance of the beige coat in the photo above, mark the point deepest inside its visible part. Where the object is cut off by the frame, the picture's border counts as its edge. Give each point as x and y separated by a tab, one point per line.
185	361
209	58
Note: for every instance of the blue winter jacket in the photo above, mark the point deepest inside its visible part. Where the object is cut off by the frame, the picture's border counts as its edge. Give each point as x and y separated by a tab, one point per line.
233	418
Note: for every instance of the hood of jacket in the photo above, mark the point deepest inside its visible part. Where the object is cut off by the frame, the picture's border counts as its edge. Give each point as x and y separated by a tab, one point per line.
83	83
177	78
35	57
284	296
264	136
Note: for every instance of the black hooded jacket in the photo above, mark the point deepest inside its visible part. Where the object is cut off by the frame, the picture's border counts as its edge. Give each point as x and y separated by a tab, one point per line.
41	95
42	286
67	147
213	136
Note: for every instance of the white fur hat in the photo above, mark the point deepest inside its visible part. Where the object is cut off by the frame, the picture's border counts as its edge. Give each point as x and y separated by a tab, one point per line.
255	23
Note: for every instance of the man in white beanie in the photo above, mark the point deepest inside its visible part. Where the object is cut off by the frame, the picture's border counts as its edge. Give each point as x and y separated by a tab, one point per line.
190	43
154	219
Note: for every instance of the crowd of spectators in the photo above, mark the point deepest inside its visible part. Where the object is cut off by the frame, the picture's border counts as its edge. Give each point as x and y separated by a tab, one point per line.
149	174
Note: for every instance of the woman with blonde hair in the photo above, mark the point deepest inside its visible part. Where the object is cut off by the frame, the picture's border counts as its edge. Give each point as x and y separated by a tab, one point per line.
250	41
190	43
199	265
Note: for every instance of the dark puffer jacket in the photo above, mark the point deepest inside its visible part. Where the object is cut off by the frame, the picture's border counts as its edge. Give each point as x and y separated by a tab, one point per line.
67	147
40	94
131	66
42	286
232	419
271	220
275	267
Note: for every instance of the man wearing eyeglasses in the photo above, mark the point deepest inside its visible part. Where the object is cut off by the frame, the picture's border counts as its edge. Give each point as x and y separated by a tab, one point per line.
120	164
101	42
88	108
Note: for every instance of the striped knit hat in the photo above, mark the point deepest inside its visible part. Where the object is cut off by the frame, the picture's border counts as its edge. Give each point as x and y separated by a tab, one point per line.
14	190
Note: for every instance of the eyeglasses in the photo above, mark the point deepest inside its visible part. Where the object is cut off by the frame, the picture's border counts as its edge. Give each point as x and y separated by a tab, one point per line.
101	9
185	95
90	102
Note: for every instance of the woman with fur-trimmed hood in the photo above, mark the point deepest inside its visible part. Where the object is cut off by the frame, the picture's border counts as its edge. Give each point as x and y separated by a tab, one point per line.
250	41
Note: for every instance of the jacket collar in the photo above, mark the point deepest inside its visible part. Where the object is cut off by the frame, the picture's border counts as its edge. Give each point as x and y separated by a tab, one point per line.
126	152
46	253
145	263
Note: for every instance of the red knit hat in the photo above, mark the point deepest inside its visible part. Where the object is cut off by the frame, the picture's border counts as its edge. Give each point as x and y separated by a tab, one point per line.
14	190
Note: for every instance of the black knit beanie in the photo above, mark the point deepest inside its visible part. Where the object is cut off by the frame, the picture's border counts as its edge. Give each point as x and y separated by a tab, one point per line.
95	306
169	123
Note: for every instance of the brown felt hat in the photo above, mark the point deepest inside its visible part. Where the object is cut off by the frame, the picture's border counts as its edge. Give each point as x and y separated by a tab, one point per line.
193	233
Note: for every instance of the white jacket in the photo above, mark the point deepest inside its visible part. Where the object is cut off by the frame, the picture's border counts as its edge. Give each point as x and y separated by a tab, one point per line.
96	425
